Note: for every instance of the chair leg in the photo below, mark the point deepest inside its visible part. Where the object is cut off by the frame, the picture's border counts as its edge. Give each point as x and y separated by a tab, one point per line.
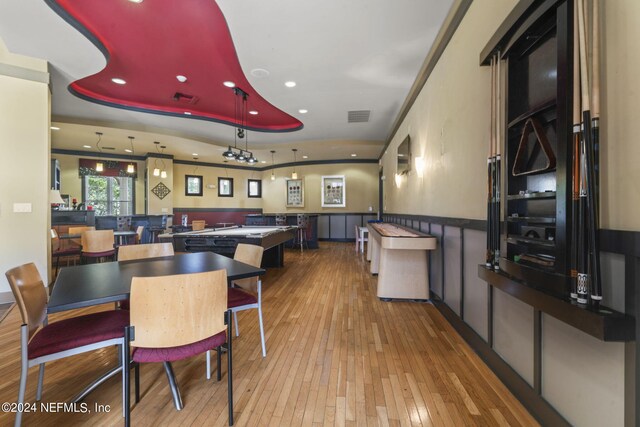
137	379
219	360
126	385
264	348
40	381
177	399
235	321
229	375
21	391
208	356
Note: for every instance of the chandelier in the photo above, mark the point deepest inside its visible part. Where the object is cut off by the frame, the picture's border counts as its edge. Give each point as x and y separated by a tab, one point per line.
235	153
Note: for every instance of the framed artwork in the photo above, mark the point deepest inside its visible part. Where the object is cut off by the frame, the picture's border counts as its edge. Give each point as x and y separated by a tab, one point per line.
193	185
225	187
333	191
254	188
295	193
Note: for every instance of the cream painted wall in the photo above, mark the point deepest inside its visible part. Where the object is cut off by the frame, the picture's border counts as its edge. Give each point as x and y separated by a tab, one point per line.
361	188
210	197
24	168
155	205
449	127
620	151
71	183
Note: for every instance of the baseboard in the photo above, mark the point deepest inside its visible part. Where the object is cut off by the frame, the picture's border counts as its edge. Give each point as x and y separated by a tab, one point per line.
539	408
6	297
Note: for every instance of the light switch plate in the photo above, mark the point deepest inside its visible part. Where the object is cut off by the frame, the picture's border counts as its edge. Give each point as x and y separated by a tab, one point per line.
22	207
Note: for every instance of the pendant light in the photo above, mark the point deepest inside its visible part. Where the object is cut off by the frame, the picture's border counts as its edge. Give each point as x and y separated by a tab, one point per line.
131	168
294	175
156	169
99	164
235	153
273	173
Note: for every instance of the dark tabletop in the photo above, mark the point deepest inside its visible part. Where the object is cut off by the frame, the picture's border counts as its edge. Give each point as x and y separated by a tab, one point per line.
93	284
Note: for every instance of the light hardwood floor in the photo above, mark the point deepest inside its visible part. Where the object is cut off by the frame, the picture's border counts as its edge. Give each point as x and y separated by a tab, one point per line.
336	355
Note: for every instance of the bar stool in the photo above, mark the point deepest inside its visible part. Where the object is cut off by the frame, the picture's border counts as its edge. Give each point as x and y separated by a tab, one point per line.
301	236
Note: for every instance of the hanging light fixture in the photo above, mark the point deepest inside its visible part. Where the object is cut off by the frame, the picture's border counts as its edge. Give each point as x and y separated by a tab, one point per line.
99	164
130	167
273	172
156	169
294	175
235	153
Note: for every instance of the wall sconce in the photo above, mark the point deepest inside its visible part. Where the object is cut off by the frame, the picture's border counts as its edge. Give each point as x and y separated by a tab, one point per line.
420	166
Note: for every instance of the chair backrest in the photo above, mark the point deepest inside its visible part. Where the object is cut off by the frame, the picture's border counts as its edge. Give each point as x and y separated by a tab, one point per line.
303	220
55	240
150	250
30	294
198	224
281	219
252	255
139	232
95	241
170	311
79	230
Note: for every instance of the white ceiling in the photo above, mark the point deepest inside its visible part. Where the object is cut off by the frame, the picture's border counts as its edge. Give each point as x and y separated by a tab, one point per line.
343	55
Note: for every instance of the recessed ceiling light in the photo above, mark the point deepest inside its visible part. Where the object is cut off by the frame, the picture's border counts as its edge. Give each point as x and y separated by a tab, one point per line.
187	113
229	84
263	161
87	146
253	112
303	111
259	72
354	155
194	154
54	128
305	157
128	150
136	1
181	78
290	84
118	81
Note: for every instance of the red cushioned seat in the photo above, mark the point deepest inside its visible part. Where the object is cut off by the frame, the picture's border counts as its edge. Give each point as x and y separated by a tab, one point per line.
237	297
99	254
170	354
78	331
67	251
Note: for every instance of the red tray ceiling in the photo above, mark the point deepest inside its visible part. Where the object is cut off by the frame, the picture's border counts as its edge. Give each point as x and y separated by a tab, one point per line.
148	44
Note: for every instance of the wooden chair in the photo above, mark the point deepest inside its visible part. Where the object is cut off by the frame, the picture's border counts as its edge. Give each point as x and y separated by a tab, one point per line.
42	342
149	250
198	224
59	251
139	233
176	317
97	245
78	230
245	294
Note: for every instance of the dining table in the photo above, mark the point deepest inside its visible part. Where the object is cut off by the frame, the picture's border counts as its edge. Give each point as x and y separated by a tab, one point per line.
95	284
120	236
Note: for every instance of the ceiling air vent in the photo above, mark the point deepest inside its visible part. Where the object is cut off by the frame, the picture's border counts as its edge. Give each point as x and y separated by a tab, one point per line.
358	116
107	148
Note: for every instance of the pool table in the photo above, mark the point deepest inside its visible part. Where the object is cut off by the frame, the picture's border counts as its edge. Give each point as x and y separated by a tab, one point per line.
224	241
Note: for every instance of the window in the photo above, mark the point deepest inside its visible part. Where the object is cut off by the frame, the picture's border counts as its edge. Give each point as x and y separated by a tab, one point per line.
109	195
193	185
225	187
254	188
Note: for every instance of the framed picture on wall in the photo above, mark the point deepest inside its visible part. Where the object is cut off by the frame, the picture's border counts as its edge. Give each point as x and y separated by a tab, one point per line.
254	188
295	193
333	191
193	185
225	187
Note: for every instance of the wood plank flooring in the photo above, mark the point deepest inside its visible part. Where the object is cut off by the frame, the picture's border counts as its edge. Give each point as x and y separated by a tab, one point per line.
336	355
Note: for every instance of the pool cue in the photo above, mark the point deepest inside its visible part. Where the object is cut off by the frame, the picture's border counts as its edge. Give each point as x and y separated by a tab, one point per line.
496	191
592	219
593	153
489	258
575	175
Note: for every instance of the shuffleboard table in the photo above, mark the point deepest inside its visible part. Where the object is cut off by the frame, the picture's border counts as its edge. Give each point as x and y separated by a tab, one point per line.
224	241
399	257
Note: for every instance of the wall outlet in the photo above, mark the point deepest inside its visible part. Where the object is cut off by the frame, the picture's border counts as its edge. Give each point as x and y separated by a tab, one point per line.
22	207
